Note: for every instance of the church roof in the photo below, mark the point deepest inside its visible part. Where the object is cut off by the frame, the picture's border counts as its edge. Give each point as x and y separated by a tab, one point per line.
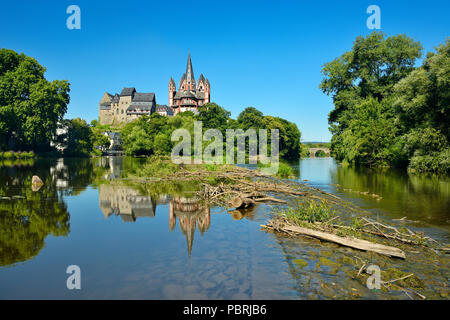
143	97
184	94
183	77
200	95
165	108
127	91
189	69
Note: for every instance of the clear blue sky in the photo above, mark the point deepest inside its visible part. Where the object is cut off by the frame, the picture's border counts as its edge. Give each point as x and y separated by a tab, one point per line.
255	53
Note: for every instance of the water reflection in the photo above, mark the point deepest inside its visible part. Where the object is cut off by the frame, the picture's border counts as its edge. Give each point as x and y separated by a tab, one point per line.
130	205
236	261
27	217
125	202
423	198
190	214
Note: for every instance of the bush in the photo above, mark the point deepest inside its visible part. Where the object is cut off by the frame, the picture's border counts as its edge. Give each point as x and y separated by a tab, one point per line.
30	154
8	155
285	170
158	168
436	162
308	211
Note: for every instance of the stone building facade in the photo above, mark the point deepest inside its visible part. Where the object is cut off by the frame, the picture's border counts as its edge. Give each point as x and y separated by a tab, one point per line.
190	94
126	107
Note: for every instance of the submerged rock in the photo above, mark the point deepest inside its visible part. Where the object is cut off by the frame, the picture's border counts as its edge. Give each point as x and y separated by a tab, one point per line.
36	183
36	180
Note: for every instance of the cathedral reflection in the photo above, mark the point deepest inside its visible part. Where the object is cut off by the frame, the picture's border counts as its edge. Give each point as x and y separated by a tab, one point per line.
190	214
127	203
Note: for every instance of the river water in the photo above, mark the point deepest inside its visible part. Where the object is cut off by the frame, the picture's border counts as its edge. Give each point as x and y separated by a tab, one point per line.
134	243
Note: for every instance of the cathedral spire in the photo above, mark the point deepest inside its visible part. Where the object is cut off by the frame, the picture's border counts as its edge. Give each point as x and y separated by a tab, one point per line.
189	69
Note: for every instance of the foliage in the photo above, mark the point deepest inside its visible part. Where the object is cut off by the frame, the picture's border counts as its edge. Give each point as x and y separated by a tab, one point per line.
16	155
30	106
386	111
157	167
320	154
80	138
285	170
308	211
152	135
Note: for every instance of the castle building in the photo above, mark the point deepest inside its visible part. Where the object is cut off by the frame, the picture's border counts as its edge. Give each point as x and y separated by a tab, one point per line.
126	107
190	94
164	110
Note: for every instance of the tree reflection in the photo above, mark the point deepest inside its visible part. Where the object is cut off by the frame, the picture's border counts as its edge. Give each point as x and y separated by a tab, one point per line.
27	217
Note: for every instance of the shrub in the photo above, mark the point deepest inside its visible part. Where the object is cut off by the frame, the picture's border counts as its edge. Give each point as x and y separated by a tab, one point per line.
308	211
7	154
437	162
285	170
30	154
158	168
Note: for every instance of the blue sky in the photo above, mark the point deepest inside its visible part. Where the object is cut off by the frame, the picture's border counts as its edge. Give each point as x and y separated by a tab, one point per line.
265	54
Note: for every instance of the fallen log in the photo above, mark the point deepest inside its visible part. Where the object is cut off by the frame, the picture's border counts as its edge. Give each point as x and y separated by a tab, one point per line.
238	202
347	242
270	199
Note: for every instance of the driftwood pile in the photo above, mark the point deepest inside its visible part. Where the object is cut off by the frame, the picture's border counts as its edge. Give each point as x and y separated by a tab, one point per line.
240	188
243	188
351	242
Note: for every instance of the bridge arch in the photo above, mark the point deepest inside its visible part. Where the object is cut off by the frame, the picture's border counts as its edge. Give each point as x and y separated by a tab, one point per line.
313	151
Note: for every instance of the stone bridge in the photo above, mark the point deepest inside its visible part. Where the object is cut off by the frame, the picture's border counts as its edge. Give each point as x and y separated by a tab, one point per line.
312	151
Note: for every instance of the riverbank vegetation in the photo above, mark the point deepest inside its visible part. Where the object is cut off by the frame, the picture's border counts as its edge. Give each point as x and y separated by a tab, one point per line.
152	135
387	111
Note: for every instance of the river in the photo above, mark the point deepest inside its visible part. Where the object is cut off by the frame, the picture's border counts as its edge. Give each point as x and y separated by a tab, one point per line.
134	243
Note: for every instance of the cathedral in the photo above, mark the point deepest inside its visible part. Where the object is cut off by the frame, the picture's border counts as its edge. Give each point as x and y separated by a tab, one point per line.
129	105
190	95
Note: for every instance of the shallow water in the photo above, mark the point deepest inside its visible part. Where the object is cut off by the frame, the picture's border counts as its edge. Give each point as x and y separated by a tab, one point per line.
133	243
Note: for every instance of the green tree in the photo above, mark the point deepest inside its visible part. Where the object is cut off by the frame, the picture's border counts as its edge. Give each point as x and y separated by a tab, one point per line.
80	138
30	106
371	69
100	140
423	97
250	118
214	116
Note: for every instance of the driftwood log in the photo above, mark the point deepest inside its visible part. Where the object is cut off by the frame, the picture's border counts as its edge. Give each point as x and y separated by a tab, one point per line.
348	242
238	202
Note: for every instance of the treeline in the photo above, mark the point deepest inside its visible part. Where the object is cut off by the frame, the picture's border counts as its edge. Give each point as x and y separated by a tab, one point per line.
387	112
152	135
32	113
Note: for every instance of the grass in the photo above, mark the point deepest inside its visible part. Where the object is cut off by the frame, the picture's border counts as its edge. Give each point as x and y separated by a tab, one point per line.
308	211
284	170
16	155
158	168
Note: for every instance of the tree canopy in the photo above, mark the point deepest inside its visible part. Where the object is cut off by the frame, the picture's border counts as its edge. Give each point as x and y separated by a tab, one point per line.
30	106
384	105
152	135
